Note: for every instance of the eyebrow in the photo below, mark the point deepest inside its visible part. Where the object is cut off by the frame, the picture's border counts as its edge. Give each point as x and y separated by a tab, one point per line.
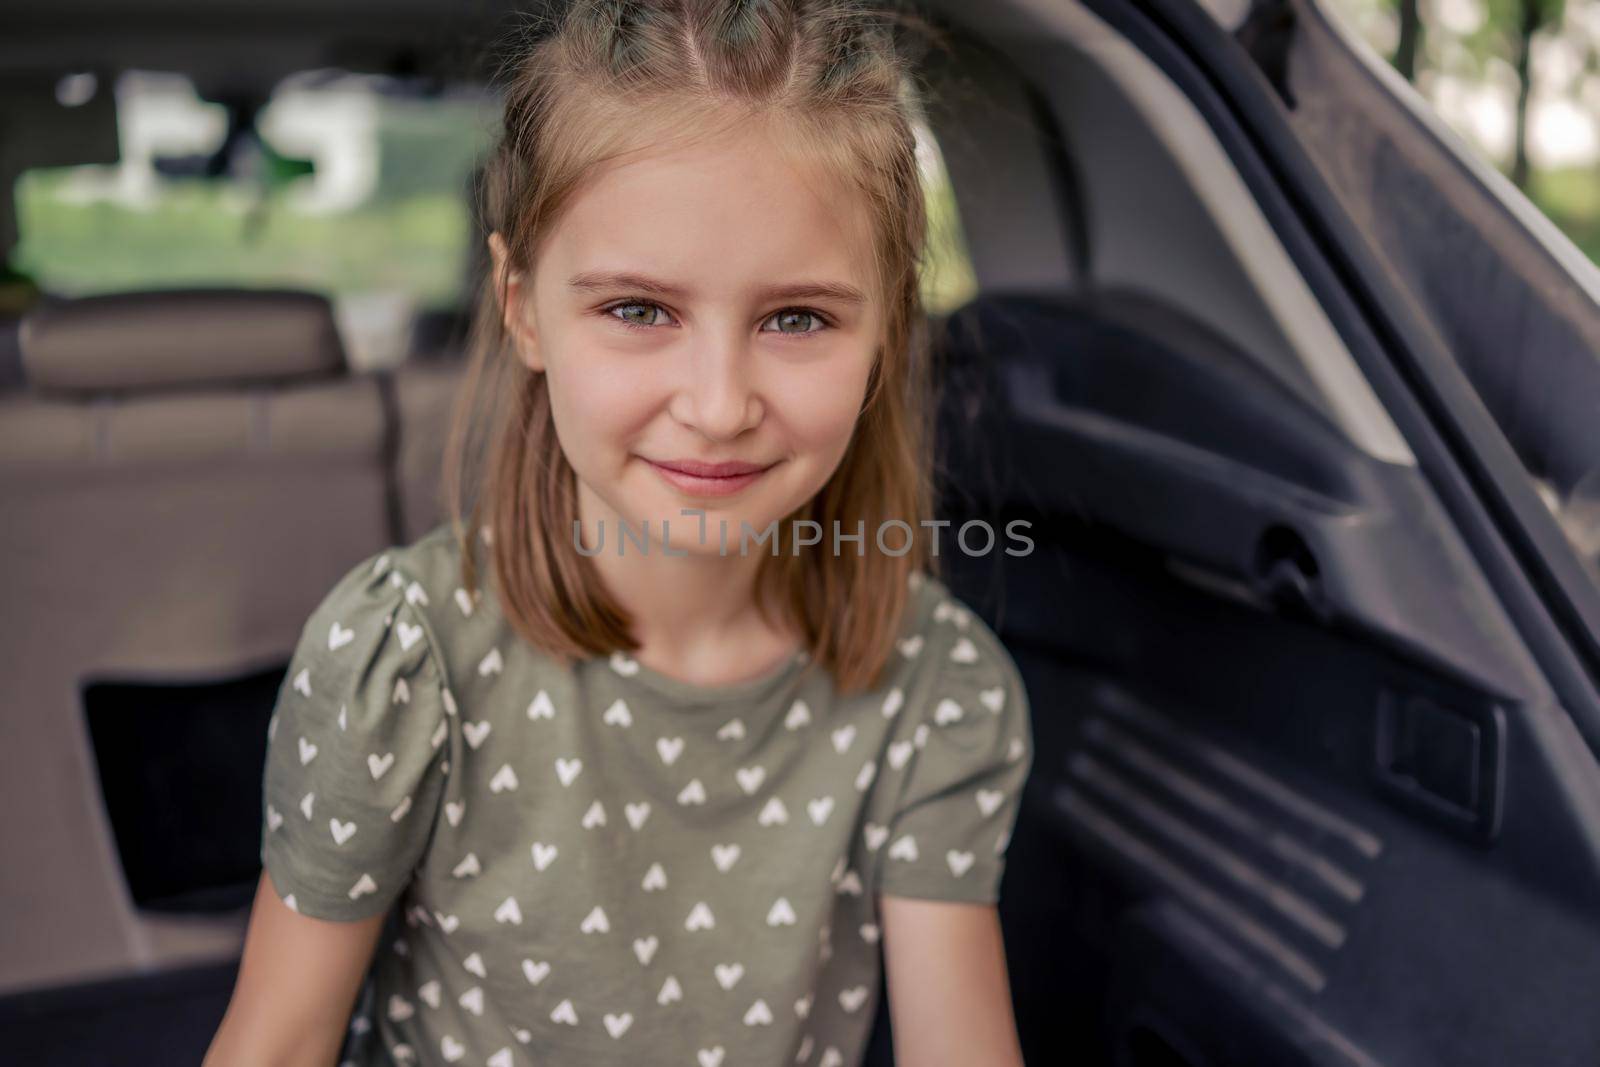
593	281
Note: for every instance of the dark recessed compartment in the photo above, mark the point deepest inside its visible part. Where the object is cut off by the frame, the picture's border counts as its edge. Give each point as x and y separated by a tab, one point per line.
180	771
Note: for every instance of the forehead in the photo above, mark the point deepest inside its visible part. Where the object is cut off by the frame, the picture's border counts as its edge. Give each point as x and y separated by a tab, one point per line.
733	210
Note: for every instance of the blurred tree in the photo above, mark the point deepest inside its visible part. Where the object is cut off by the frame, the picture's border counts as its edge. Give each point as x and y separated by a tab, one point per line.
1409	44
1508	30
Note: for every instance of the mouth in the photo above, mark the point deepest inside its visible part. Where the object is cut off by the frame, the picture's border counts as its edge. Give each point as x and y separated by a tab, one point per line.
709	479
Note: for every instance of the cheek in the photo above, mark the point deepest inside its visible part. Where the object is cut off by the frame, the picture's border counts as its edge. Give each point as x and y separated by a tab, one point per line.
597	406
820	408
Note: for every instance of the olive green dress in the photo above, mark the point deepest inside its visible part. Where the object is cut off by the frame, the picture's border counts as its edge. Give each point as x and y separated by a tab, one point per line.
601	864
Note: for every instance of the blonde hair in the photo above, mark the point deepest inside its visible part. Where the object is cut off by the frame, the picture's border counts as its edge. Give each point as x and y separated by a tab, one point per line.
575	97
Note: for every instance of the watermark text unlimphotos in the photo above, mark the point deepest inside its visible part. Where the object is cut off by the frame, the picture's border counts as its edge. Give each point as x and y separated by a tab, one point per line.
893	537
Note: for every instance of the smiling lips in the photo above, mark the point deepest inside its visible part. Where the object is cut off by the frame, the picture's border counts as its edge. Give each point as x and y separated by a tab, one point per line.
708	479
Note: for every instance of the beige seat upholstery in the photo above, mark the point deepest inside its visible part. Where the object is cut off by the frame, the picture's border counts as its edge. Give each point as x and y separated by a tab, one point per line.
184	475
425	392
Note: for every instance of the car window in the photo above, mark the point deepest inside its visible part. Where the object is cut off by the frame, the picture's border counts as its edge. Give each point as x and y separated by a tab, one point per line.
1514	87
357	187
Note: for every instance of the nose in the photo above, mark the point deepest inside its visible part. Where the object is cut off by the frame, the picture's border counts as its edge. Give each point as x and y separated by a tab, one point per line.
717	396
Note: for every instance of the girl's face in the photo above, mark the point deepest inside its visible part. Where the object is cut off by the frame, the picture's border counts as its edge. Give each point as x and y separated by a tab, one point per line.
710	304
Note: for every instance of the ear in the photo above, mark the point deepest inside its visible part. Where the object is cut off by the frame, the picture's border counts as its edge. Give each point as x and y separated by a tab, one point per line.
513	297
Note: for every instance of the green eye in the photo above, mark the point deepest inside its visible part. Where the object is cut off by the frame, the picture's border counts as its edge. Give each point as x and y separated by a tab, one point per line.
795	320
635	314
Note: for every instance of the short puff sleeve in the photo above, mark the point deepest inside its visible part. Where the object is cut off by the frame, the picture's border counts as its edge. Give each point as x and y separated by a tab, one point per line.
972	750
355	770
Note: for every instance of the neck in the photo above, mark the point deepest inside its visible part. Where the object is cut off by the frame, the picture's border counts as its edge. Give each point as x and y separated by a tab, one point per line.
693	614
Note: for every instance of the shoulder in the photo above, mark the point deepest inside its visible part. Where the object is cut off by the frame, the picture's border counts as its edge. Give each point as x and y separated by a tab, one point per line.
419	580
952	641
381	618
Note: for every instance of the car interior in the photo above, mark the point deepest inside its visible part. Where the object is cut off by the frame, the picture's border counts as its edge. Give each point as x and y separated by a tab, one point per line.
1302	793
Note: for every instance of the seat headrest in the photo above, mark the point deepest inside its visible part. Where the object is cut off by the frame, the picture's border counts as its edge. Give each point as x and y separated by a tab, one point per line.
154	340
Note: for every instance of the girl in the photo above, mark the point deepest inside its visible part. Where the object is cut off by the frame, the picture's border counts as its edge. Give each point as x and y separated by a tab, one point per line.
713	736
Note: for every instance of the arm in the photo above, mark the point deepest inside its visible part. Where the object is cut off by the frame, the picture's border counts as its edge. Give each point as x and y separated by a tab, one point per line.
949	993
297	984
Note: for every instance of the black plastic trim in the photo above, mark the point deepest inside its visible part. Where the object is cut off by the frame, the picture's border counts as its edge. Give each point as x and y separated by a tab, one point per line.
1458	448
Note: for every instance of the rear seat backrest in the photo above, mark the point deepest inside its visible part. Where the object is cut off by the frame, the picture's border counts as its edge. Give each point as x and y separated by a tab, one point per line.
185	474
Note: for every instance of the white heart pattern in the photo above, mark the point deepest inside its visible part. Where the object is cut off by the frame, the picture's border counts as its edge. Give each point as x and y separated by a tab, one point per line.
535	972
543	855
773	813
409	635
819	809
504	779
379	765
637	813
655	878
799	715
864	777
904	848
339	636
541	707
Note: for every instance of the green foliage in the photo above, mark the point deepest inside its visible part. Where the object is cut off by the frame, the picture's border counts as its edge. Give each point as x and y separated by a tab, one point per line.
202	234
